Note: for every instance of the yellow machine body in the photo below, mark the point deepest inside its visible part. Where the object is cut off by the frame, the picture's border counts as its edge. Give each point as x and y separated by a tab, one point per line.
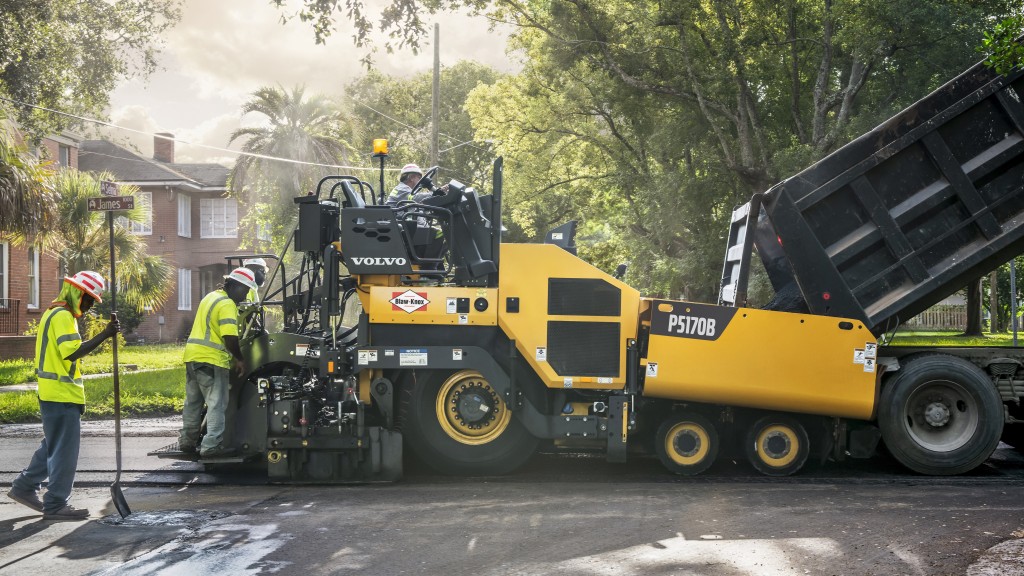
761	358
569	320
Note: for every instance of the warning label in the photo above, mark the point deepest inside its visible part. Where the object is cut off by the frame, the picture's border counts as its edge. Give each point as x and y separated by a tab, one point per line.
409	301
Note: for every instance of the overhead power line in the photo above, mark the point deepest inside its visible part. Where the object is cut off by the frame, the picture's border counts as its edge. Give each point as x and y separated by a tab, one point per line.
205	146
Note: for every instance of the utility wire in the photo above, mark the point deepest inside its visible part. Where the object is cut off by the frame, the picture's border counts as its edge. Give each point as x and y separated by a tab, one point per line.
206	146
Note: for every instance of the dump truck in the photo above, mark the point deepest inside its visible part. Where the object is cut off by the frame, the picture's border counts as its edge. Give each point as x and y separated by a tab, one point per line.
472	359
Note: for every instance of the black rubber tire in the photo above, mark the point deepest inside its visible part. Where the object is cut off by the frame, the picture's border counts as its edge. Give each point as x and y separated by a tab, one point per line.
777	445
687	443
426	438
940	415
1013	434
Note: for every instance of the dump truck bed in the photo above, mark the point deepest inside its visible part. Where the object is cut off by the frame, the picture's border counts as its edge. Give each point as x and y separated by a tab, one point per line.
902	216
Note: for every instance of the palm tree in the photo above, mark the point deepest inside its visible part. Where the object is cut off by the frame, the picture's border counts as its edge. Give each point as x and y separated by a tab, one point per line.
294	127
82	241
26	199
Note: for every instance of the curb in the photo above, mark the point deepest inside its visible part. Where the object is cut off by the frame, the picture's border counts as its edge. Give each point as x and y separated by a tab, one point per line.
1003	559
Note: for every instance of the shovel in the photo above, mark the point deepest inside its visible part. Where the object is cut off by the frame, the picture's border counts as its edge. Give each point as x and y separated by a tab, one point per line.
116	495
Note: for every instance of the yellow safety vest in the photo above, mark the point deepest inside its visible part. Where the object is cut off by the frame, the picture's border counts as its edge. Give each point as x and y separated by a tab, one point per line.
217	317
60	380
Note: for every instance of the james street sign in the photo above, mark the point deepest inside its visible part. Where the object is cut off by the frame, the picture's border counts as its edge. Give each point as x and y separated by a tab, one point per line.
105	203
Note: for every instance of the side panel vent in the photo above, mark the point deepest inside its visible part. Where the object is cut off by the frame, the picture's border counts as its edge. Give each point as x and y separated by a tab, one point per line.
583	297
584	348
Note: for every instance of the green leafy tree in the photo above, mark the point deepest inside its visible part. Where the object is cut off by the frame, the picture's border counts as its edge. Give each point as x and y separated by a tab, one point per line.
399	109
1003	46
310	131
26	198
68	56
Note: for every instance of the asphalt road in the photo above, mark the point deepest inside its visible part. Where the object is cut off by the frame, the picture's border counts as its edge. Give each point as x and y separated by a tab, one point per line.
563	514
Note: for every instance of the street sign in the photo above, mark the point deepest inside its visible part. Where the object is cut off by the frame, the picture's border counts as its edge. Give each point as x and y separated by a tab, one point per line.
106	203
108	188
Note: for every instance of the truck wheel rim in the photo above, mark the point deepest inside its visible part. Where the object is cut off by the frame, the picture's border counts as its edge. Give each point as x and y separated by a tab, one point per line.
687	443
469	410
777	445
941	415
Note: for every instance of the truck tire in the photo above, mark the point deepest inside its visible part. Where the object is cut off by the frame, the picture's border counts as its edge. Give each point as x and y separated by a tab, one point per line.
459	425
687	443
777	445
940	415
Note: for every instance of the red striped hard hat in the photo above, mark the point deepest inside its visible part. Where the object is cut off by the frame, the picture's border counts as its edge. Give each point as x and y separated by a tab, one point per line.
89	282
243	276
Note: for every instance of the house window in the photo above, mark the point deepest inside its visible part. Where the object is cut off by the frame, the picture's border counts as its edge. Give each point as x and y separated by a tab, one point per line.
219	218
206	282
33	277
184	215
144	202
64	155
3	270
184	289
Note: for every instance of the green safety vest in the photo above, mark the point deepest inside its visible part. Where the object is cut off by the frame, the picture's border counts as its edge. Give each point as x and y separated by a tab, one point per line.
217	317
60	380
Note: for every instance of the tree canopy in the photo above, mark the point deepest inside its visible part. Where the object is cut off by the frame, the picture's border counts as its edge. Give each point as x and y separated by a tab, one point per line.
68	56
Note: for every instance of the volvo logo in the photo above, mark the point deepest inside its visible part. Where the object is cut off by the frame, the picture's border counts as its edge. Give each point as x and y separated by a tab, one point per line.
360	261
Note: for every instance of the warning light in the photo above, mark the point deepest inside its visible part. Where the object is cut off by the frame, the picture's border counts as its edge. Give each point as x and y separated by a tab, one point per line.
380	147
779	238
826	296
330	367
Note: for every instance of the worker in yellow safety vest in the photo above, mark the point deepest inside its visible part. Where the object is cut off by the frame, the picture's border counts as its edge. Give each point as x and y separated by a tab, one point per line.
61	393
210	352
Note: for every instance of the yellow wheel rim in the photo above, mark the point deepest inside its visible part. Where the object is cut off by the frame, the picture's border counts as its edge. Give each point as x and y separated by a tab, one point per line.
777	445
692	434
469	410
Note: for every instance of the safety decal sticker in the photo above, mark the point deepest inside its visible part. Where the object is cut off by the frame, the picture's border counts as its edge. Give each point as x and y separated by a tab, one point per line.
389	352
457	354
689	320
869	364
412	357
870	350
303	350
463	318
604	380
542	354
409	301
450	305
556	236
567	383
367	356
858	356
652	369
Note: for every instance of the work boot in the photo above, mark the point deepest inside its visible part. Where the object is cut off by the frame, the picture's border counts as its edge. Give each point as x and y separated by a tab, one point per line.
218	452
67	513
30	499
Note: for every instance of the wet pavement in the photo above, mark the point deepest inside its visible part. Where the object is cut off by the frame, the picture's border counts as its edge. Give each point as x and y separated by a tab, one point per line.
563	514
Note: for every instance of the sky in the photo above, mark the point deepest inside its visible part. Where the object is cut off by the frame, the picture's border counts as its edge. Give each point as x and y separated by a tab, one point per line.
223	50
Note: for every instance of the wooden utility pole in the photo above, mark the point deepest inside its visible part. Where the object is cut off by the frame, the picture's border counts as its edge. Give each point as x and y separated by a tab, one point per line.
436	100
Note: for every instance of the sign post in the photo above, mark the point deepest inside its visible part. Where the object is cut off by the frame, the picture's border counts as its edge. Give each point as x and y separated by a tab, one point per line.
109	203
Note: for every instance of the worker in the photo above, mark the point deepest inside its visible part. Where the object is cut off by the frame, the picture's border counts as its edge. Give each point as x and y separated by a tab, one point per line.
258	266
210	353
61	395
408	178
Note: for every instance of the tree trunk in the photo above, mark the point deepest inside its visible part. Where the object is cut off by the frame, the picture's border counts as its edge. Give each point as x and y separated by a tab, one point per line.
973	309
993	302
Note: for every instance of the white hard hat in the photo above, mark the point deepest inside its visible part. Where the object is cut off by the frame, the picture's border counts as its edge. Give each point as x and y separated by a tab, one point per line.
89	282
411	169
243	276
254	262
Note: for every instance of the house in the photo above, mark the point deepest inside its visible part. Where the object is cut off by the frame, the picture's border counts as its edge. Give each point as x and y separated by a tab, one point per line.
29	276
191	223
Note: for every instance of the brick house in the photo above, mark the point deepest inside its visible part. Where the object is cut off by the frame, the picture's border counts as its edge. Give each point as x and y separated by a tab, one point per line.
29	276
192	224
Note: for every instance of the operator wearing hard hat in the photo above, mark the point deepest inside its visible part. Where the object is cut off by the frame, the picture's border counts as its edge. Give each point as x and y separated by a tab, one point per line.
211	350
61	394
258	266
409	177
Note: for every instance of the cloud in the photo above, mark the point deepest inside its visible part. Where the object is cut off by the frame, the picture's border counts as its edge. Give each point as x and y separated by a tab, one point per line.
193	144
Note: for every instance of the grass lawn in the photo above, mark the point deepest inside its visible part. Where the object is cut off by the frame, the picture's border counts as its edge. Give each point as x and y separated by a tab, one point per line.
954	338
146	394
149	357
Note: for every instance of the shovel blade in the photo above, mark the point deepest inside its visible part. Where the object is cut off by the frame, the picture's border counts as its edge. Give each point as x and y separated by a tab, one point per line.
120	503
